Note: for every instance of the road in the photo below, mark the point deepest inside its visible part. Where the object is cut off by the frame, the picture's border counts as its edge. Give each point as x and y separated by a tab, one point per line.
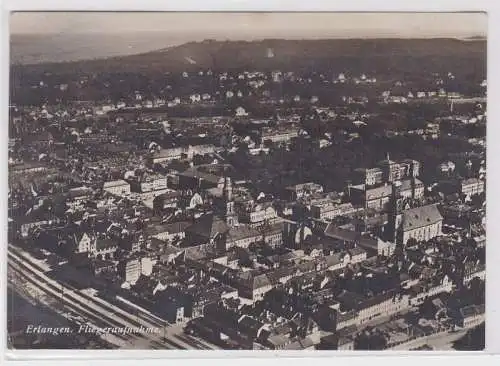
99	313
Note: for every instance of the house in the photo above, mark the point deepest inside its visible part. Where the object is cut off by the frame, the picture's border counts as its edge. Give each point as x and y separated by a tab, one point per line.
207	229
117	187
337	342
378	247
27	167
273	235
130	270
100	267
257	214
167	231
172	304
470	316
283	135
327	209
369	177
80	193
473	270
152	183
28	224
243	236
195	98
302	190
169	253
166	200
467	187
103	248
411	188
253	286
471	186
349	238
83	242
369	308
175	153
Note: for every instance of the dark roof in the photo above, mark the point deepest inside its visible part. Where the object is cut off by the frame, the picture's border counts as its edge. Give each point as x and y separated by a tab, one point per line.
80	191
242	232
171	228
250	324
99	263
260	281
105	244
335	232
358	302
420	217
471	181
194	173
472	310
177	227
167	195
283	272
169	250
208	226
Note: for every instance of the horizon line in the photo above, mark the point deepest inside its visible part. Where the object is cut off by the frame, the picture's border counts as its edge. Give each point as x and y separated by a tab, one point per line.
249	38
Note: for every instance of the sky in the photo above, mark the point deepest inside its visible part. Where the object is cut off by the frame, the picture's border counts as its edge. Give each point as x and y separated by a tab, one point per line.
198	26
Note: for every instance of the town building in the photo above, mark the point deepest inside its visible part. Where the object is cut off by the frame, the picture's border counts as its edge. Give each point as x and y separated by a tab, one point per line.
368	177
243	237
328	210
376	198
178	153
257	214
279	135
117	187
299	191
470	316
151	183
472	186
130	270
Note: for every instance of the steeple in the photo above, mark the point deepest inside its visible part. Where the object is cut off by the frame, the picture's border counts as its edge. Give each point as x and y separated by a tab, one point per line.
229	215
228	189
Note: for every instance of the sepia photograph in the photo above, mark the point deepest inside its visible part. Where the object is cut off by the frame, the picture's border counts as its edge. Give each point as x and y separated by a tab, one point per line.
247	181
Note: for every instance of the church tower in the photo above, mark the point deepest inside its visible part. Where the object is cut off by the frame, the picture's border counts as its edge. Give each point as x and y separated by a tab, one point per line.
395	215
229	215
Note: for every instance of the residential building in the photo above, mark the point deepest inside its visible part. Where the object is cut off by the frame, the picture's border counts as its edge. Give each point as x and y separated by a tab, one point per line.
152	183
328	210
117	187
376	198
254	286
471	186
369	177
243	236
470	316
167	231
302	190
130	270
410	188
258	214
273	235
279	135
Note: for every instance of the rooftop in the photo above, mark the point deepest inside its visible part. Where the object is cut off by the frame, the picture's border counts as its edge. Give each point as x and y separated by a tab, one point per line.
420	217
